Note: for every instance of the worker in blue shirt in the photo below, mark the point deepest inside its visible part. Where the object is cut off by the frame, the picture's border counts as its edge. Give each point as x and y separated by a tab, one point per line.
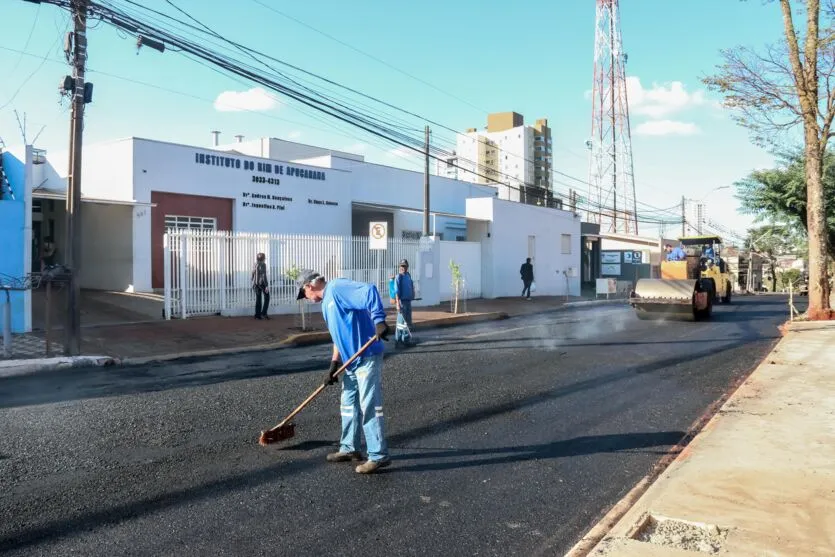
354	314
677	254
709	253
404	290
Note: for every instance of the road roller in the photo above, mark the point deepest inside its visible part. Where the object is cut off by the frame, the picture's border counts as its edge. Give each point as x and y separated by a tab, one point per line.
694	277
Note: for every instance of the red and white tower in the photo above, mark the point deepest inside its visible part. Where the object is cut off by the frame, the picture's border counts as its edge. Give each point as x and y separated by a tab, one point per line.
611	181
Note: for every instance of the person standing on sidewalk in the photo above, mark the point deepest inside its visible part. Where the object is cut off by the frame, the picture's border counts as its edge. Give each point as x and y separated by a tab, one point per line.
404	290
527	278
354	314
261	286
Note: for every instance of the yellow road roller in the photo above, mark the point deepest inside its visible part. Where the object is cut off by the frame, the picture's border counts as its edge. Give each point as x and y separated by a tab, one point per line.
693	277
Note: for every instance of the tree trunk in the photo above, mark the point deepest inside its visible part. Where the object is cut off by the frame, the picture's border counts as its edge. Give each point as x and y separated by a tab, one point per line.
816	217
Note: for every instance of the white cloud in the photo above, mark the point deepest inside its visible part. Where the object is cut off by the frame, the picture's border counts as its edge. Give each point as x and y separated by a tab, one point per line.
661	100
295	134
666	127
253	99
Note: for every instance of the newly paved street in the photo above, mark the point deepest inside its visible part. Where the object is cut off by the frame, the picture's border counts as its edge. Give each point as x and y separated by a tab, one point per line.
509	438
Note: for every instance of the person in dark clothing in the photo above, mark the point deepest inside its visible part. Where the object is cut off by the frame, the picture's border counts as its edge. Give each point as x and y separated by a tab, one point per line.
261	286
527	278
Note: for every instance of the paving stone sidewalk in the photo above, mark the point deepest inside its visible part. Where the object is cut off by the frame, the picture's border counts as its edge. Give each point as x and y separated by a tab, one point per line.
759	478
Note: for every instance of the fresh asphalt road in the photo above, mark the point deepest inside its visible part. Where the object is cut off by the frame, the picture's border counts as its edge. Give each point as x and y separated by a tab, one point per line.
508	438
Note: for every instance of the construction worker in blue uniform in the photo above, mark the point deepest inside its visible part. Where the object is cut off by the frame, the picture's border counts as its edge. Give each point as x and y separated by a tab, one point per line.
404	290
354	314
677	254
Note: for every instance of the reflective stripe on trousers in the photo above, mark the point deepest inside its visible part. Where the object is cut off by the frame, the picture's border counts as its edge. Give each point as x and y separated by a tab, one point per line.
362	403
404	321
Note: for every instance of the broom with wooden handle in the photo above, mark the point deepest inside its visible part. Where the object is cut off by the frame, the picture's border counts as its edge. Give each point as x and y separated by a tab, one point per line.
286	429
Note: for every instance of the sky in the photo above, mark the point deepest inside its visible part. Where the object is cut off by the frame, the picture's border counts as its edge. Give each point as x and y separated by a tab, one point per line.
451	62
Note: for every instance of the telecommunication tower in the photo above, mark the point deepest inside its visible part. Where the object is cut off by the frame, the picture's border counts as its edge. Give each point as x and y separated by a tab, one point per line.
612	201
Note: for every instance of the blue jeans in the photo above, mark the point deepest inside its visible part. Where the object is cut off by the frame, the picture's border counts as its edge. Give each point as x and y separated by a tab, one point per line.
404	321
362	401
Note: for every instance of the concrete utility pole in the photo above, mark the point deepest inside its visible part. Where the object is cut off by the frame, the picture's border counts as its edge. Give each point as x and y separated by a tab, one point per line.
73	242
426	186
683	216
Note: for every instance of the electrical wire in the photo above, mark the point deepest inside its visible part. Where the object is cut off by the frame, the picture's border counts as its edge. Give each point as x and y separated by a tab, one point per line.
368	123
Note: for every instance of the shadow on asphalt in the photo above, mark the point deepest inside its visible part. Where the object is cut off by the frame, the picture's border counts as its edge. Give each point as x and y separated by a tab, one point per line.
609	443
578	446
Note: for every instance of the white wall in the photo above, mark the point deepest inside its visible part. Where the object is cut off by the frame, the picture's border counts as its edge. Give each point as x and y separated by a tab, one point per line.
106	170
507	247
173	168
468	256
373	183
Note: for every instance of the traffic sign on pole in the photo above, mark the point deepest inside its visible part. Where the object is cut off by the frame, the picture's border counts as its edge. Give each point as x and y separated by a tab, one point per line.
378	234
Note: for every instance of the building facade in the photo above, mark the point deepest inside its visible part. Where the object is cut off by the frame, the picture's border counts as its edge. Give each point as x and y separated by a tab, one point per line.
135	189
515	157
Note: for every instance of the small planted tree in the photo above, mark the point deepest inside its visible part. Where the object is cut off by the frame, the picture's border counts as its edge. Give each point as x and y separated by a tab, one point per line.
455	269
293	275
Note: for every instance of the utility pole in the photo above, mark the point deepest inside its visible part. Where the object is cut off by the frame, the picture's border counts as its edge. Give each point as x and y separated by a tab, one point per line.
73	241
683	216
426	186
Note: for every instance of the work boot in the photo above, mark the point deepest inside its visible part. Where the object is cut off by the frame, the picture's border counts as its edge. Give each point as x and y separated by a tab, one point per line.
372	466
344	457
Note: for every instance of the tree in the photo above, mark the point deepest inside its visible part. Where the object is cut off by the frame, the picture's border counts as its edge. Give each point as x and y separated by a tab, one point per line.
791	84
790	277
779	195
770	241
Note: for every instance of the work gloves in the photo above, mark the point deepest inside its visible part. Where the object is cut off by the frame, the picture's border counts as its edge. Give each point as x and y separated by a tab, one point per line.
331	377
383	330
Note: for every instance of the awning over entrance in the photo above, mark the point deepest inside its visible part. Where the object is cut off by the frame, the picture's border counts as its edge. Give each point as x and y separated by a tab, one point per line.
61	195
383	207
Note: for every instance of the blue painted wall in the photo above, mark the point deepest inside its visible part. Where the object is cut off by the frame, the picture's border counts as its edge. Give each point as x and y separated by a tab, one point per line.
12	219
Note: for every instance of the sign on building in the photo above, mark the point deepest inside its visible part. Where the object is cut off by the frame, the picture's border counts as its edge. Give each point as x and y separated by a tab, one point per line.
378	235
610	257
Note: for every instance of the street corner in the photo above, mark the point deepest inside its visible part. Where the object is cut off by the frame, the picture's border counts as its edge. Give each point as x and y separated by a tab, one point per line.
14	368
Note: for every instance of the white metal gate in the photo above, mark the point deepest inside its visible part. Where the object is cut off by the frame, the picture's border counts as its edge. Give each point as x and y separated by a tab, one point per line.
209	272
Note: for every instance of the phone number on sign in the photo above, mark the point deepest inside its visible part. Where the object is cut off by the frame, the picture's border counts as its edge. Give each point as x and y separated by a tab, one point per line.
262	180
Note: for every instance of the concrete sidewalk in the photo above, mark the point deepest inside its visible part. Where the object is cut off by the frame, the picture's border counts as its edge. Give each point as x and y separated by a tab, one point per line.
206	336
759	479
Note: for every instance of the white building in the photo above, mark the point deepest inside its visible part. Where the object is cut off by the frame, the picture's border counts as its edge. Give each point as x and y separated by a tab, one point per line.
511	232
448	167
136	188
509	154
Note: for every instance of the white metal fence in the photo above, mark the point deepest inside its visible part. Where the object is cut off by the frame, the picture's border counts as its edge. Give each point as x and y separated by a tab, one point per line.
209	272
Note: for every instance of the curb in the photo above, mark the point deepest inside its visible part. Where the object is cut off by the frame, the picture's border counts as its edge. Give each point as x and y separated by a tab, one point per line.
304	339
615	302
598	532
15	368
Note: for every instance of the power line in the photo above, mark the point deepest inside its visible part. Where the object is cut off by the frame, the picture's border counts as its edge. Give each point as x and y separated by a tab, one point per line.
367	123
366	54
251	53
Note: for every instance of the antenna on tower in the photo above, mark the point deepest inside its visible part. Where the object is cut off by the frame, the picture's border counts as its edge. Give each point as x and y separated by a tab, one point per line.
611	177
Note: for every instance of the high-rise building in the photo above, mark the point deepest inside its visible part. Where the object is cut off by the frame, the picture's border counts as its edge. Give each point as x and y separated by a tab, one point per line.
515	157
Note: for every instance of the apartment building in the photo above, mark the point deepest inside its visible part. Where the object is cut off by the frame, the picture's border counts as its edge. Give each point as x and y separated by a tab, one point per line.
507	153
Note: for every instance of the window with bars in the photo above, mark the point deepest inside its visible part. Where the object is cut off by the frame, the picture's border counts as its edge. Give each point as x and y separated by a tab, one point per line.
178	222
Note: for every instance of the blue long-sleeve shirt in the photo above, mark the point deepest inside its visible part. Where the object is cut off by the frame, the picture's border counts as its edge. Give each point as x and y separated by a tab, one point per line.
351	309
677	254
404	287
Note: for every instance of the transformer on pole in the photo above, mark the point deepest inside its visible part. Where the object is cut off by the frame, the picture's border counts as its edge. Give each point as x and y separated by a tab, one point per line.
612	201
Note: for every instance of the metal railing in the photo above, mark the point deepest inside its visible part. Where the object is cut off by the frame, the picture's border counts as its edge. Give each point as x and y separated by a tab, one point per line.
209	272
